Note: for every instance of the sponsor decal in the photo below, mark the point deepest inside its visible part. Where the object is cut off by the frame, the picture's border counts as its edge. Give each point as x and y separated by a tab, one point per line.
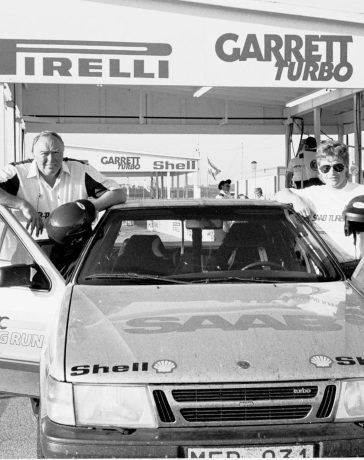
164	366
2	322
168	324
349	360
328	217
321	361
313	165
296	57
21	339
243	364
70	59
325	361
83	369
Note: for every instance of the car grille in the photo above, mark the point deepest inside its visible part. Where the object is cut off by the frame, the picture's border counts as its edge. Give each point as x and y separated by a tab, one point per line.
228	404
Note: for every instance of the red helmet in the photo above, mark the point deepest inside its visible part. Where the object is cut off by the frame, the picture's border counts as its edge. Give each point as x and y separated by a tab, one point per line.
71	222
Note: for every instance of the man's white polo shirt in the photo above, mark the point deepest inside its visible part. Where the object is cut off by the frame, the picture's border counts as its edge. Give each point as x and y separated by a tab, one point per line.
76	181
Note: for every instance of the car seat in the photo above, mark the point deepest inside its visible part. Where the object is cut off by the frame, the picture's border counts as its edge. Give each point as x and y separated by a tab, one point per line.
246	243
144	254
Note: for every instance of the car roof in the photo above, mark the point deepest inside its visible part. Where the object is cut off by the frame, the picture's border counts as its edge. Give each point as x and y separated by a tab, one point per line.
197	202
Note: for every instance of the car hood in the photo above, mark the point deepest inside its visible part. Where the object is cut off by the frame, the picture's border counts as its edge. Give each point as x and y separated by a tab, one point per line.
214	333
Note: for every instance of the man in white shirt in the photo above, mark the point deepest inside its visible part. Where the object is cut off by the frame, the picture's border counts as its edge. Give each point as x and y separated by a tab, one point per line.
224	187
302	170
324	204
39	185
258	193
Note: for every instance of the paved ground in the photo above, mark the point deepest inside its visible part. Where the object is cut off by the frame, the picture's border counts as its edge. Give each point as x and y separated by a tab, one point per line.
17	429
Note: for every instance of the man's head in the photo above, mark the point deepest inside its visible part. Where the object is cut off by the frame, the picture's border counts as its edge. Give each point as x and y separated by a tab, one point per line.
310	143
224	185
48	148
258	192
333	163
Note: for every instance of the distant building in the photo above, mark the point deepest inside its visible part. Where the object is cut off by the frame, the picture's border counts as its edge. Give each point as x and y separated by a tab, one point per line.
144	174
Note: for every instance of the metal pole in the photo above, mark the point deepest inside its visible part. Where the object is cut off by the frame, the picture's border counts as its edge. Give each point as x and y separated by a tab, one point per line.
357	135
288	136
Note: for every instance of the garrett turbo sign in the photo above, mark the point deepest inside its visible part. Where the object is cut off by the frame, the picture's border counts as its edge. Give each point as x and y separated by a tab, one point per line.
296	57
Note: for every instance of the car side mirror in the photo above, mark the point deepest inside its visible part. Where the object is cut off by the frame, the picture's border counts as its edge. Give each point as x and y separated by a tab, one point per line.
23	275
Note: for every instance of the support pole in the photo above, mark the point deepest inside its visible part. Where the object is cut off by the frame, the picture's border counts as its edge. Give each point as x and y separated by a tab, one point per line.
168	184
3	156
288	135
357	135
340	133
317	124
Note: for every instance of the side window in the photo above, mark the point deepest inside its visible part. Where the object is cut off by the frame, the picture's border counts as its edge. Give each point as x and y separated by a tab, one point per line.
12	251
358	276
17	266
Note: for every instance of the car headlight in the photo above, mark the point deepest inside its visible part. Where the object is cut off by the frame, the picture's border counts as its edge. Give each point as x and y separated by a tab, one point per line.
59	402
111	405
351	401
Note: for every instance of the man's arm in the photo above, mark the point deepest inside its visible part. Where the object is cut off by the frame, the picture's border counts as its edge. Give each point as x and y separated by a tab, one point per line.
107	199
34	221
289	176
286	195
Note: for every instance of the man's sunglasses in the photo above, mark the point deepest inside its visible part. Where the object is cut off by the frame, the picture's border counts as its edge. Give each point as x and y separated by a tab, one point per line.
338	167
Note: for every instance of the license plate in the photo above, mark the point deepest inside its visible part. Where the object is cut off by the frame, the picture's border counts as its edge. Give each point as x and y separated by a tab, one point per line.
301	451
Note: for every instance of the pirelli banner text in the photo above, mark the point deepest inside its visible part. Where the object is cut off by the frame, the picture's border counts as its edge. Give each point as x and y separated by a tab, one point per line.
228	57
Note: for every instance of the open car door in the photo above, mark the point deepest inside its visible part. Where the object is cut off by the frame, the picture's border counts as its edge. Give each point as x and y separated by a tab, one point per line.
31	290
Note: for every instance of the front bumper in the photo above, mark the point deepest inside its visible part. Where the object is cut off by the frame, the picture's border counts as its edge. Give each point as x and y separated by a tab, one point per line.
329	439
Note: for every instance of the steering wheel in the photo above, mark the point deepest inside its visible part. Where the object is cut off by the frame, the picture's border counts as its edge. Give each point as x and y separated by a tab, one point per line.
263	263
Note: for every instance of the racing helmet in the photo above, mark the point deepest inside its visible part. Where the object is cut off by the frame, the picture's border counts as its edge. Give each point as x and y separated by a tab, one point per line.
70	223
354	216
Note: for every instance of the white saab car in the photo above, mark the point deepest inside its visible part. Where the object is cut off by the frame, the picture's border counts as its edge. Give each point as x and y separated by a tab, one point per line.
187	328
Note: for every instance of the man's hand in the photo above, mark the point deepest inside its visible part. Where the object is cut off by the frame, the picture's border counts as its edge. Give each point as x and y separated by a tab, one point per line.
34	221
300	206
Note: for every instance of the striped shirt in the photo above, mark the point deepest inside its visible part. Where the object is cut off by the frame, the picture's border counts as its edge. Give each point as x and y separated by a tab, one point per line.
76	181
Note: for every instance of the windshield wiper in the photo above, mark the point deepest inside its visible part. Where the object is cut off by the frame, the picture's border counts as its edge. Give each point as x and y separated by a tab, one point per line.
235	278
134	276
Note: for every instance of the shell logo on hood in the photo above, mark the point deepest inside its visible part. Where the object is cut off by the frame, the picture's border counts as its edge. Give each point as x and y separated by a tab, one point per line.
243	364
164	366
321	361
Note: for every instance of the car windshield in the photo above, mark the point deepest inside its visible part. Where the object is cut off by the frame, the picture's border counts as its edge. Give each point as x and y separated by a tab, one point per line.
205	244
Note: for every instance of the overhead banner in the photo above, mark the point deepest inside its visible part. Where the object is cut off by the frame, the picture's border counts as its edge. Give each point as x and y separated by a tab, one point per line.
123	163
135	163
142	46
243	59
